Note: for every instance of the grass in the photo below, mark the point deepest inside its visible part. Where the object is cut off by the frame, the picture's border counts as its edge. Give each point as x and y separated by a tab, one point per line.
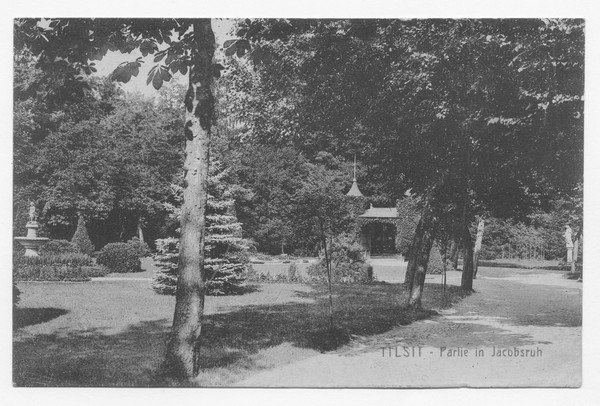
113	333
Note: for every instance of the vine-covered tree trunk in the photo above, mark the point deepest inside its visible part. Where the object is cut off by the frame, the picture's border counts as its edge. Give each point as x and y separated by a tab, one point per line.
416	269
183	348
478	240
467	273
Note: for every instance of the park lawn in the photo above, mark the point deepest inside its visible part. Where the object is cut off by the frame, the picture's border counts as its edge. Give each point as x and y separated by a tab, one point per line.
113	333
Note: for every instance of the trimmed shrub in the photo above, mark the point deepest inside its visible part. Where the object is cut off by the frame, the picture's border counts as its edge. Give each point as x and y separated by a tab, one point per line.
119	257
57	247
62	267
141	248
348	263
82	239
436	262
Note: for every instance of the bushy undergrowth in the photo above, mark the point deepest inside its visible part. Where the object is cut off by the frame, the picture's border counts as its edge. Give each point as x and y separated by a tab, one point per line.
348	263
61	267
141	248
57	247
119	257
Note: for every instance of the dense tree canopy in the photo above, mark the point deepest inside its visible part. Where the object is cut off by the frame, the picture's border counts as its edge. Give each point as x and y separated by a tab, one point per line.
422	100
451	109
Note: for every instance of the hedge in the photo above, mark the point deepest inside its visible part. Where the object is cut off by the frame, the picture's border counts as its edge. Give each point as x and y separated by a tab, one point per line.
119	257
63	267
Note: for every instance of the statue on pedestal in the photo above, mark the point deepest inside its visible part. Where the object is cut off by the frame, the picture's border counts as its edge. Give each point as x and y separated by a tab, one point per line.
567	235
32	242
569	243
32	213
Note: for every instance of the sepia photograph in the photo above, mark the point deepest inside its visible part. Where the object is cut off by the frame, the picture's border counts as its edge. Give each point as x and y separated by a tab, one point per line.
318	203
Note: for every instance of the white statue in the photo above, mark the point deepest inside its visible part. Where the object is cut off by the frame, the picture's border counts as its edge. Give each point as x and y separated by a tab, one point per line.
32	215
567	235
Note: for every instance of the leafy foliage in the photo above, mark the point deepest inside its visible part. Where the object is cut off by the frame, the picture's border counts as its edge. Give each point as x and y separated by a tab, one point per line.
348	263
141	247
454	103
119	257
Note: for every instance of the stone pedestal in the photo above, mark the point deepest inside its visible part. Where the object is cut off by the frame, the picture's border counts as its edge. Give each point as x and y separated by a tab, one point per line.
569	255
32	242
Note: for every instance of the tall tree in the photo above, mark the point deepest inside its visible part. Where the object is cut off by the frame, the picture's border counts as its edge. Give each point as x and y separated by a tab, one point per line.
63	49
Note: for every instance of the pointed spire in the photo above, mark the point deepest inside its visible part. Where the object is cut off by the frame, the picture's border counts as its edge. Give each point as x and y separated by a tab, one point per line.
354	191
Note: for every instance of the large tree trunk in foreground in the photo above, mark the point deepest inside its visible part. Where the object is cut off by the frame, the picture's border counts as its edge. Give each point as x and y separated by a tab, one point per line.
416	269
467	272
478	240
184	344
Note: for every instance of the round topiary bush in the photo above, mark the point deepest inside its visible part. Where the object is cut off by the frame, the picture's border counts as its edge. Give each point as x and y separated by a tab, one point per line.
57	247
119	257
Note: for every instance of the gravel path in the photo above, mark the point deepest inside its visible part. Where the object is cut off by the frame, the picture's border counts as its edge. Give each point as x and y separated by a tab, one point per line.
535	314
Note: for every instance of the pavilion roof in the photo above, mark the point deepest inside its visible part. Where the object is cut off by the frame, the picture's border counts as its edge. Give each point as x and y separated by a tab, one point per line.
380	212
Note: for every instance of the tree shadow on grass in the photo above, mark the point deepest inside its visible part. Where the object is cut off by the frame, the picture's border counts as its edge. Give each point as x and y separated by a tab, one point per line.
134	356
23	317
358	311
92	357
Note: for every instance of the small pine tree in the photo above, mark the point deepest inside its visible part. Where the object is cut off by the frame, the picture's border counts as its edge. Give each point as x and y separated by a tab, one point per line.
225	251
82	239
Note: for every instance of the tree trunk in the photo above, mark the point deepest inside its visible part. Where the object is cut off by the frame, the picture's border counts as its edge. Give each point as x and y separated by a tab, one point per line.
576	251
454	252
328	264
445	250
416	269
182	359
467	273
478	240
140	233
